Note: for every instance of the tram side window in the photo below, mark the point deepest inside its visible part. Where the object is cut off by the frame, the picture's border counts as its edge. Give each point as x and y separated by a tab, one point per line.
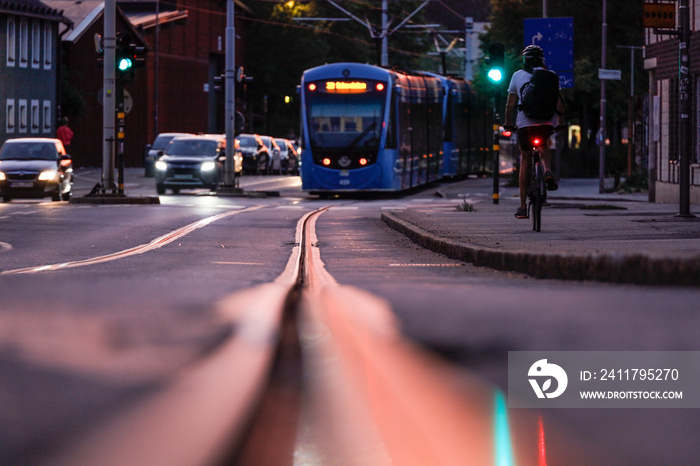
390	129
461	124
450	117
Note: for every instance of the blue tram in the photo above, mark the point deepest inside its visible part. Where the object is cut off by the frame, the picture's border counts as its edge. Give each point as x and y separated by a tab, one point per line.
366	128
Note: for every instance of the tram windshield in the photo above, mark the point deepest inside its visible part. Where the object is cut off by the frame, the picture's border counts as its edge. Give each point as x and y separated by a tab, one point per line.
345	121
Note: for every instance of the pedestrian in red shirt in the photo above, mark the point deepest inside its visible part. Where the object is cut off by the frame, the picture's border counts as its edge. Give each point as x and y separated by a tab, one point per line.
64	133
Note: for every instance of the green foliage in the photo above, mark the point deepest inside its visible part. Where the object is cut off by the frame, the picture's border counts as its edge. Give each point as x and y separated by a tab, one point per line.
281	49
73	103
624	19
465	206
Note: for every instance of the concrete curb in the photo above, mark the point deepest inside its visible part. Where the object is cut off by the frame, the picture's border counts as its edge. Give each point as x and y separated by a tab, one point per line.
616	268
113	200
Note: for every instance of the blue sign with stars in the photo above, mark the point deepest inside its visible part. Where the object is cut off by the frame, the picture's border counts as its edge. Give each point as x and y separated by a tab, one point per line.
556	37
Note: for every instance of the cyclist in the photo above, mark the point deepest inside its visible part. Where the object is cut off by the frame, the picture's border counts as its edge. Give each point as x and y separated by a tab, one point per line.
533	57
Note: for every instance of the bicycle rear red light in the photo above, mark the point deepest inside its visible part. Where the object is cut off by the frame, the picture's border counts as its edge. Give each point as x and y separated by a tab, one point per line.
536	141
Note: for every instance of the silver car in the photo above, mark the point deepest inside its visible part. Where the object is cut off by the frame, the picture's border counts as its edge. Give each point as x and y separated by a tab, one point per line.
35	168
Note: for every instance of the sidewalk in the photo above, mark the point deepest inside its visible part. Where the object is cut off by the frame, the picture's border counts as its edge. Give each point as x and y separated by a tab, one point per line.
585	235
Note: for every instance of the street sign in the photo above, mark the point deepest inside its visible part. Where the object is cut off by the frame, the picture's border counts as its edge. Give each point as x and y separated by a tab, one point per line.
659	15
128	101
609	74
556	37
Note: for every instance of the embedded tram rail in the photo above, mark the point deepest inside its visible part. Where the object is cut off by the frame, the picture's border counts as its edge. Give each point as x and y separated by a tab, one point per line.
314	372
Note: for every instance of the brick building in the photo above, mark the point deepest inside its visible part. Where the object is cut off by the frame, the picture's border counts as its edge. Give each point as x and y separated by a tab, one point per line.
661	61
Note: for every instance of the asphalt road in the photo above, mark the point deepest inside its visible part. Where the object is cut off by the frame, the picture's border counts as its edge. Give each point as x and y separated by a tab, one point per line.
82	341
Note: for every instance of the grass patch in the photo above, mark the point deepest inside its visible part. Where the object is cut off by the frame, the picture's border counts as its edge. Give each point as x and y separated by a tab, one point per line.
603	207
465	206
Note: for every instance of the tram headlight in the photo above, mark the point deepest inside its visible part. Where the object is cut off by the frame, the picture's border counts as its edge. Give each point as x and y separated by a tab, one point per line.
326	161
363	161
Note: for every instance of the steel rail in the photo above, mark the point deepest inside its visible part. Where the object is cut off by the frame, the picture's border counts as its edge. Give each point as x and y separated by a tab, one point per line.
213	411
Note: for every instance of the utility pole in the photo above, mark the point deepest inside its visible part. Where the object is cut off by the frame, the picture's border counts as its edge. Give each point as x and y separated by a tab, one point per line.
603	103
468	29
384	59
684	108
385	32
230	97
109	95
630	108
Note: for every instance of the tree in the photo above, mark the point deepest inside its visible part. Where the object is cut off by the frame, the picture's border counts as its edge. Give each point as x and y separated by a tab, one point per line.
282	48
583	101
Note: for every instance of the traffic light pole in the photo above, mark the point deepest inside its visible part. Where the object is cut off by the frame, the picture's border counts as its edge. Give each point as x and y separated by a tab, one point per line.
496	150
496	61
120	137
109	95
230	98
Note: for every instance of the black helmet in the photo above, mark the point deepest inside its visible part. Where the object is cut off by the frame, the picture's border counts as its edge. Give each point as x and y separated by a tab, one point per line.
533	51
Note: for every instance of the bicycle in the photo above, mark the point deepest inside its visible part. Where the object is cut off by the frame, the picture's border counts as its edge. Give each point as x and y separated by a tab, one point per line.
537	189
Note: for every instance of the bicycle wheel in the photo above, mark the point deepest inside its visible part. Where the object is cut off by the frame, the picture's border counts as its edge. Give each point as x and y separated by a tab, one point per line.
538	193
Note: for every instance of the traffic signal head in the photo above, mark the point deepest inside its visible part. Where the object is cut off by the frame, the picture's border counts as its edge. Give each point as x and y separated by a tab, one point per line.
496	62
124	54
124	64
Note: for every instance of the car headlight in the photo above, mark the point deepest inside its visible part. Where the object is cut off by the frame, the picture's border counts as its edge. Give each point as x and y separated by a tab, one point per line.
2	176
160	165
208	166
48	175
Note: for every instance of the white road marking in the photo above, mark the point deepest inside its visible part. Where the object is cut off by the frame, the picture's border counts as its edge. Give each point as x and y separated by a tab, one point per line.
239	263
155	244
425	265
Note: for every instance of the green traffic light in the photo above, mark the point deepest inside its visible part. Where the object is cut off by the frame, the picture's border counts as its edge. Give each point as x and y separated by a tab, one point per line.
125	64
495	75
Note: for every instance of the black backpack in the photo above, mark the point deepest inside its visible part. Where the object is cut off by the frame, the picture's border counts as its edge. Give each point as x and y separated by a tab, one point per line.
540	95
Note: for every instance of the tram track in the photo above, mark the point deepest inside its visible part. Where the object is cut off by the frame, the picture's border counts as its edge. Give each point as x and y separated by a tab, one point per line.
315	373
219	410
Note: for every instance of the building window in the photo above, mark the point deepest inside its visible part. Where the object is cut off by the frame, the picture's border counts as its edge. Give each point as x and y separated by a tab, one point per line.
35	116
48	46
23	116
47	116
23	43
11	41
10	116
36	44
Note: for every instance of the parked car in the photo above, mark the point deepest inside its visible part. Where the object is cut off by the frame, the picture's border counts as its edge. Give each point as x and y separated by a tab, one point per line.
256	155
159	145
191	162
237	156
35	168
274	165
288	155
